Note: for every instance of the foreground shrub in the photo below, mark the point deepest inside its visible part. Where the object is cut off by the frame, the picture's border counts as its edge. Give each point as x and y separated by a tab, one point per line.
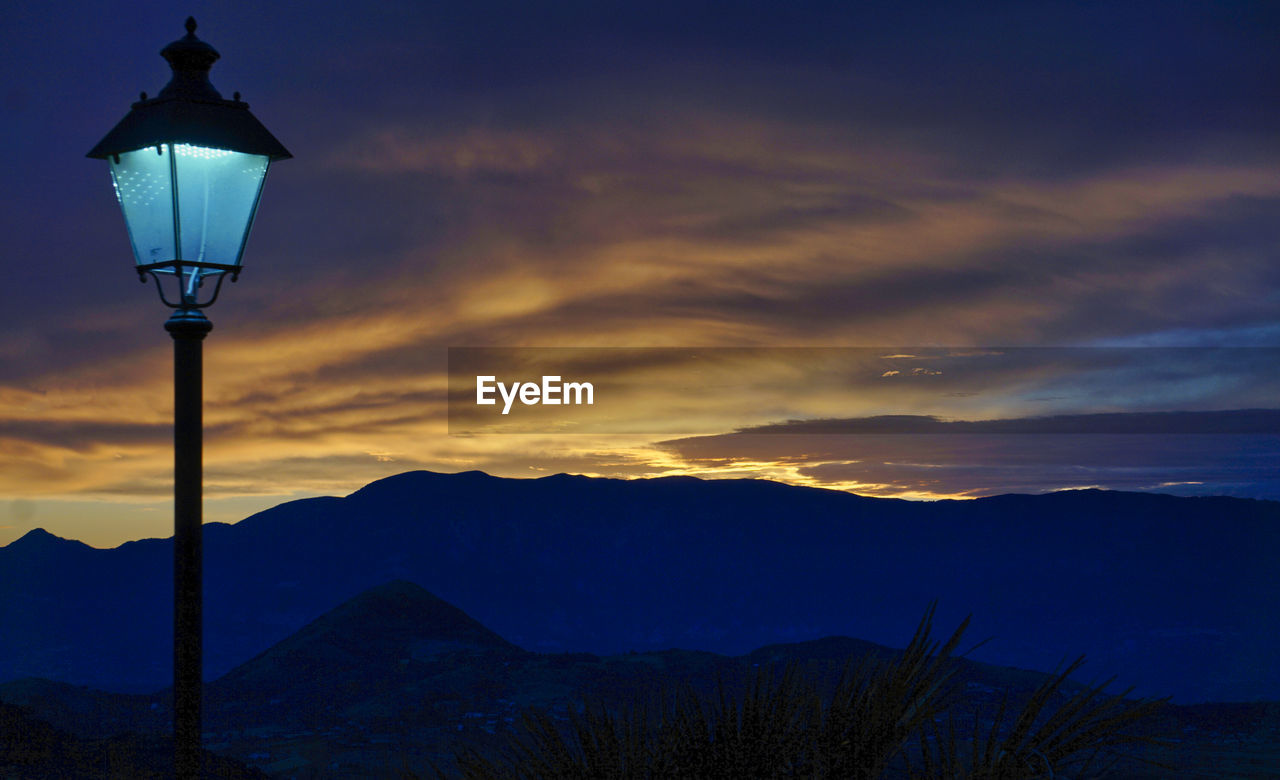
1083	735
886	717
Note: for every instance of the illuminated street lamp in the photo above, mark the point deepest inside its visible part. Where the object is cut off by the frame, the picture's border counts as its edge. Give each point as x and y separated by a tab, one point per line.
188	168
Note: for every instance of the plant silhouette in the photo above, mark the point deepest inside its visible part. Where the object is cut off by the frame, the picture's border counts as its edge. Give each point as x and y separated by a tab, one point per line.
887	717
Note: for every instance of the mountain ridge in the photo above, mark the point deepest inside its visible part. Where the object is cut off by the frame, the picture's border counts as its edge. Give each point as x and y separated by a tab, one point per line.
46	537
1155	589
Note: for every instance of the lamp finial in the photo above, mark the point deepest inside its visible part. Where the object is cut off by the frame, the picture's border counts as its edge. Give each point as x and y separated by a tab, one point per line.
190	59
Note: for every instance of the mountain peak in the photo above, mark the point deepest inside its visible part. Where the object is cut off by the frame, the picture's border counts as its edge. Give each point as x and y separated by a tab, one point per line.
365	642
389	623
39	539
411	482
35	536
400	612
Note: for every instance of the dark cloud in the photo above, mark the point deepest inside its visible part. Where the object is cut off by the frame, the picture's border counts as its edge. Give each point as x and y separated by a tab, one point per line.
767	224
1238	421
83	435
976	464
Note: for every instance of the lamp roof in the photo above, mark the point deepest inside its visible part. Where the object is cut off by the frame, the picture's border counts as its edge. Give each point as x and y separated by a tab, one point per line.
189	110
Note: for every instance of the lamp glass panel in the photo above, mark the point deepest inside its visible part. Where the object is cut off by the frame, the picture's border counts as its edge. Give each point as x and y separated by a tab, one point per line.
217	195
144	188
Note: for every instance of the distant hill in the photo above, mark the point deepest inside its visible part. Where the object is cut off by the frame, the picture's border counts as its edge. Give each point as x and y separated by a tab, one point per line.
397	679
1173	595
366	648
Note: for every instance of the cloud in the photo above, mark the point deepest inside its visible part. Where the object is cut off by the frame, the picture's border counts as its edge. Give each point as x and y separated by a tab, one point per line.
1237	421
935	460
475	151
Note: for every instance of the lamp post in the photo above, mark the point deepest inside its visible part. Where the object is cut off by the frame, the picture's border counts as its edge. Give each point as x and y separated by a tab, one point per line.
188	168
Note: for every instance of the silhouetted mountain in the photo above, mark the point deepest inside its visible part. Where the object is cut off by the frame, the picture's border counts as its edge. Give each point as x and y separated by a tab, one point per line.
369	647
40	542
1173	595
391	622
395	678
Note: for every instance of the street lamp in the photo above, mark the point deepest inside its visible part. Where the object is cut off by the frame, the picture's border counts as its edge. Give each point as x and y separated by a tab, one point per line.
188	168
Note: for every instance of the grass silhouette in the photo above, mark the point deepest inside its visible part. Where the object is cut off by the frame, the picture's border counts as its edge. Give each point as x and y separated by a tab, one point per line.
887	717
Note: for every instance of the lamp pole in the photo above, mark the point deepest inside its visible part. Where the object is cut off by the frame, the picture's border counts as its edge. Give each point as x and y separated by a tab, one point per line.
188	168
188	327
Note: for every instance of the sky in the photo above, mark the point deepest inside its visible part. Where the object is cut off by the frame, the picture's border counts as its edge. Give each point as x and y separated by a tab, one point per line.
842	206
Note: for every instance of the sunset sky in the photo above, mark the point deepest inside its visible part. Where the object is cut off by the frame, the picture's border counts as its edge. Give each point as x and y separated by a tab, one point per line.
775	184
